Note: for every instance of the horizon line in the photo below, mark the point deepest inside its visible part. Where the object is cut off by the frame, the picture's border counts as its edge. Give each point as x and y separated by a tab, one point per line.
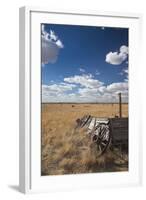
83	102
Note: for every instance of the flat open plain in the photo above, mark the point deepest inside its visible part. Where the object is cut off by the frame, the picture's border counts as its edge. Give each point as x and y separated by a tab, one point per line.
66	151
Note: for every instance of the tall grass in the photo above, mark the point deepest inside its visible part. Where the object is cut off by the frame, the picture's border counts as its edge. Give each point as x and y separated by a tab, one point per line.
65	150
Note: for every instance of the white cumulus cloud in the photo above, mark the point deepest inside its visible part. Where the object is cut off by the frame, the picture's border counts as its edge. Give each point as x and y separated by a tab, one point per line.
51	46
85	80
117	87
125	72
84	88
97	72
56	92
116	58
82	70
124	49
59	44
58	88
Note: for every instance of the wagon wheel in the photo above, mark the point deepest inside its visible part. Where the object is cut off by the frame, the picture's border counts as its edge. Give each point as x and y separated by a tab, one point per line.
102	142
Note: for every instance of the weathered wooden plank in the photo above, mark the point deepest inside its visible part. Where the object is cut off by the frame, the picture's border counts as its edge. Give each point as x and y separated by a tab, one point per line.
119	132
120	137
118	122
119	129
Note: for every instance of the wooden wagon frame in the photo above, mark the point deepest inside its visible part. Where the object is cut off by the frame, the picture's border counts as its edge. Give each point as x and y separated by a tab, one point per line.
107	132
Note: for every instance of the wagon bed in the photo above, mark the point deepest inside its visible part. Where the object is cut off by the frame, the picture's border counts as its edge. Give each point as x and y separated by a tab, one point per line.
105	132
119	130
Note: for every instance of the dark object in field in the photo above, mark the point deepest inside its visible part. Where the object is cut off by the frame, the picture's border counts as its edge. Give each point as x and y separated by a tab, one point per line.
105	132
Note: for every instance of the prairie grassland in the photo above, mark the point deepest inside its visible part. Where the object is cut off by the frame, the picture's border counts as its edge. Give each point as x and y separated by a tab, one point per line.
66	151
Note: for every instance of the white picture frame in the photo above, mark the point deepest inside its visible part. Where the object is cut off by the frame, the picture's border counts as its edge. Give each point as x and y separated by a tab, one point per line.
30	177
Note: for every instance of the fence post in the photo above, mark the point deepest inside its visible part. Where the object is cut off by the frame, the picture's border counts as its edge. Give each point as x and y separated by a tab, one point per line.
120	105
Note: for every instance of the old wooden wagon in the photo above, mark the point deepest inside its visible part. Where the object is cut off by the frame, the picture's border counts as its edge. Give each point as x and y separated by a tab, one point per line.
106	132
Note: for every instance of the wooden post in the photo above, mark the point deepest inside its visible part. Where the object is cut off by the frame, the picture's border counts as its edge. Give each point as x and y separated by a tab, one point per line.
120	105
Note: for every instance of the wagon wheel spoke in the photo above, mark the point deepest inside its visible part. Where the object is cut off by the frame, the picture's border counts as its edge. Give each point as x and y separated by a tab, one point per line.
100	149
102	145
101	135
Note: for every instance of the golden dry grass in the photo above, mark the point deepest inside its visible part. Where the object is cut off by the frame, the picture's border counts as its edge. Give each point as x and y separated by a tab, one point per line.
66	151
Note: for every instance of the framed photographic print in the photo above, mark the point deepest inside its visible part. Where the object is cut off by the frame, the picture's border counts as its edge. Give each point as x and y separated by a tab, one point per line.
79	114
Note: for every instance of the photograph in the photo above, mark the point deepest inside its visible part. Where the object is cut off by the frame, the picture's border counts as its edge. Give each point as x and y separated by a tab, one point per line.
84	99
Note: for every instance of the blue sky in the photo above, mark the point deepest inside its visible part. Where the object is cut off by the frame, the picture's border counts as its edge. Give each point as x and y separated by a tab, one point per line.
84	63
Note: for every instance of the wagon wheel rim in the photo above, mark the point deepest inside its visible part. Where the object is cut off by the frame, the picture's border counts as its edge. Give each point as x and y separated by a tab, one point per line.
103	144
102	147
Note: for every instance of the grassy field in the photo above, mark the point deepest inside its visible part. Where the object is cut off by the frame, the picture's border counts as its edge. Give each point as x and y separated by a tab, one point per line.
66	151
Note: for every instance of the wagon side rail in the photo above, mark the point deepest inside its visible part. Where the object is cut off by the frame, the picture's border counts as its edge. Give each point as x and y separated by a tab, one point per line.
119	130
